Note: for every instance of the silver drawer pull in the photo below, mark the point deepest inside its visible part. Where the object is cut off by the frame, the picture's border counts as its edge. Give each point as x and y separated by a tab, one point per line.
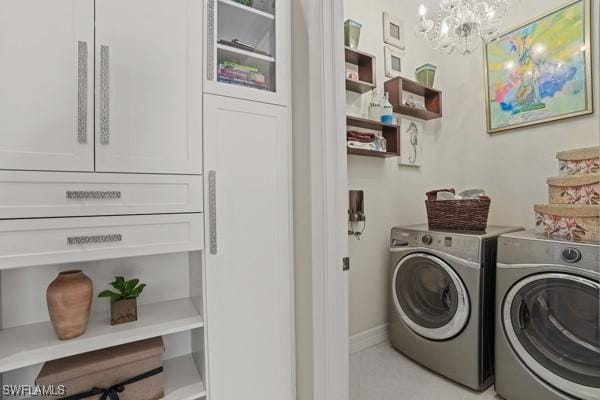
212	211
92	194
82	92
104	95
74	240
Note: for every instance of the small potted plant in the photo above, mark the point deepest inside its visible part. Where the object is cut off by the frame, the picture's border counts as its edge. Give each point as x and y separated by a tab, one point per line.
123	305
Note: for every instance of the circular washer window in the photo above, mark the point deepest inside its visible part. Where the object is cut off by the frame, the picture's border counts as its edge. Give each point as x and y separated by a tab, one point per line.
553	323
430	297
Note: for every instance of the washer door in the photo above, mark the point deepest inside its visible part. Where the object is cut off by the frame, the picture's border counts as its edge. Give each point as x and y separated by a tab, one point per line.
430	297
553	323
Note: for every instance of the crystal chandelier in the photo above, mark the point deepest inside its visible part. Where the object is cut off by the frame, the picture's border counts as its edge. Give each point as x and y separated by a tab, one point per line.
461	25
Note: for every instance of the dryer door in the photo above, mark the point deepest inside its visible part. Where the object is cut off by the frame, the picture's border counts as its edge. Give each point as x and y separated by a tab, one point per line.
553	323
430	297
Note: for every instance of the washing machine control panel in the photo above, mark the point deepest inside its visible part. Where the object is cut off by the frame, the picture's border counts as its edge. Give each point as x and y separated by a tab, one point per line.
458	245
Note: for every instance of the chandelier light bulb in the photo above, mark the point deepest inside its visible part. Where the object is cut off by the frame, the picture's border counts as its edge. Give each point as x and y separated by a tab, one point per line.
422	10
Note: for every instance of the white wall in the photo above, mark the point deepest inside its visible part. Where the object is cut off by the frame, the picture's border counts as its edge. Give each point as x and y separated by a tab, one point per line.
512	167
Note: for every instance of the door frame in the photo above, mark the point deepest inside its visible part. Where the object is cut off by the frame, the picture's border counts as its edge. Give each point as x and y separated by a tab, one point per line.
329	200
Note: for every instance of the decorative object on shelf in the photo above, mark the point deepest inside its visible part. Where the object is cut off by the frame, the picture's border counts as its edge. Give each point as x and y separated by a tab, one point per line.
462	25
425	74
411	141
248	3
387	110
356	213
470	214
374	106
123	305
579	161
393	62
411	102
540	71
386	144
69	299
365	141
352	75
393	31
352	33
242	75
132	371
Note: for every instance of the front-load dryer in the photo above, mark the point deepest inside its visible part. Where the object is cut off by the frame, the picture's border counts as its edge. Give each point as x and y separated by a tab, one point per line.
442	300
547	319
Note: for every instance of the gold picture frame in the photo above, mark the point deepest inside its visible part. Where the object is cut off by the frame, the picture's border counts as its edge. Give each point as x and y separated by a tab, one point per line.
535	113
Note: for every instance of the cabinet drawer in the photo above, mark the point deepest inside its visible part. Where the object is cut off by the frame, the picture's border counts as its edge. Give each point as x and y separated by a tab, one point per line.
59	194
29	242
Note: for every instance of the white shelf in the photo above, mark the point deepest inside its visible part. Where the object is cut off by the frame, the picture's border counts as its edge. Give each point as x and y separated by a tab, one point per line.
247	9
245	53
182	379
32	344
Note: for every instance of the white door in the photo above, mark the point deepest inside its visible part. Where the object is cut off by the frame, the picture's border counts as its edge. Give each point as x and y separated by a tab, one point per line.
149	86
248	262
46	84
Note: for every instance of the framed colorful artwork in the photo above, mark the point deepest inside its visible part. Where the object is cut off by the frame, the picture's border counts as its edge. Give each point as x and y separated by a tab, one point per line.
540	71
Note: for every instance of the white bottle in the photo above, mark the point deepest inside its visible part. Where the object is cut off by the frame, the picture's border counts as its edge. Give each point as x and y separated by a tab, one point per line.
374	106
387	112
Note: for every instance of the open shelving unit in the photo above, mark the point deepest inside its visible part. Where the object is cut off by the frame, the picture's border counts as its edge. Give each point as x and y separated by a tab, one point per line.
432	98
366	71
391	133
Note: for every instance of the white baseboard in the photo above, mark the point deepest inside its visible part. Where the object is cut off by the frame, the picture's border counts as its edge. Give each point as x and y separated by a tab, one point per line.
369	338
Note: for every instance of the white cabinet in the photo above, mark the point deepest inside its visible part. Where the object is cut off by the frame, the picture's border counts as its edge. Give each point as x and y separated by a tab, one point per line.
248	255
147	56
46	81
149	86
247	49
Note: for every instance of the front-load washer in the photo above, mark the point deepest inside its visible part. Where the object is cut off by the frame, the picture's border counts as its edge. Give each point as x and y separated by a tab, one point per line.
442	300
547	319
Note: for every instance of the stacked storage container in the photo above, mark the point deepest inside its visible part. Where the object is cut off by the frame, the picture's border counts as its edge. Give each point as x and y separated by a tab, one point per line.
574	197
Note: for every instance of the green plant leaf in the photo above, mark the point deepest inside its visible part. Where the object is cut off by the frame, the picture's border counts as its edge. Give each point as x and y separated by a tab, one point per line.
138	290
130	286
109	293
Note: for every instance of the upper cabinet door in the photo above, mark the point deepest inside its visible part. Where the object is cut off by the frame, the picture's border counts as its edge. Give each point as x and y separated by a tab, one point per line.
149	86
249	260
247	50
46	84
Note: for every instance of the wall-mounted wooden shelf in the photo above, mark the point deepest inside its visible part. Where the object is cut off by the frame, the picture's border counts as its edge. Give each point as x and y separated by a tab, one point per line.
432	97
366	71
391	133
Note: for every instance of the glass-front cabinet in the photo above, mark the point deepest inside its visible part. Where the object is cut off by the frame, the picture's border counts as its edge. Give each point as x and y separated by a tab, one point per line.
245	49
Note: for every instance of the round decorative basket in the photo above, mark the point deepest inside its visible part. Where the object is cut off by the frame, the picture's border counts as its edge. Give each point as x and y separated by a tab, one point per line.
460	215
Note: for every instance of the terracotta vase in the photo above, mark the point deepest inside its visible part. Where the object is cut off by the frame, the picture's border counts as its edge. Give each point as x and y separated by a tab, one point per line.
69	299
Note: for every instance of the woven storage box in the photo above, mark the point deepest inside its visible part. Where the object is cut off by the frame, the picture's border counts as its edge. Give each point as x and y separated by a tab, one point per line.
108	367
569	221
575	189
579	161
461	215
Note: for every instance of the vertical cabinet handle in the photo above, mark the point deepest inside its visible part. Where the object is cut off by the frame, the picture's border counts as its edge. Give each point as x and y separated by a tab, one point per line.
210	37
212	211
104	95
82	92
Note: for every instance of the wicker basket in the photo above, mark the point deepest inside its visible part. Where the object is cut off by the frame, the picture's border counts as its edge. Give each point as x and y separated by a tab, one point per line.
575	189
461	215
579	161
569	221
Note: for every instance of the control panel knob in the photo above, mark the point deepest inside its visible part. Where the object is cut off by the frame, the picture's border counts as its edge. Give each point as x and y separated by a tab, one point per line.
571	255
427	240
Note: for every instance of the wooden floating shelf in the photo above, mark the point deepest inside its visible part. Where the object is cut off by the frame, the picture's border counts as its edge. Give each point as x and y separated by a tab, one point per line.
366	71
27	345
390	132
433	98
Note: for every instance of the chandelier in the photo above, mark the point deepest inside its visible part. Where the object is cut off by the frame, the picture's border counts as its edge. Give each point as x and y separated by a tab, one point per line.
462	25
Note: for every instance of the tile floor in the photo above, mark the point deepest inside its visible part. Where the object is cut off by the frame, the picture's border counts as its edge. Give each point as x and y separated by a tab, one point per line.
381	373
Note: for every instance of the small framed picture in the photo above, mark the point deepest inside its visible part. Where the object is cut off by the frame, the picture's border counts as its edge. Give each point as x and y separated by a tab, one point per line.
411	142
393	62
393	31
